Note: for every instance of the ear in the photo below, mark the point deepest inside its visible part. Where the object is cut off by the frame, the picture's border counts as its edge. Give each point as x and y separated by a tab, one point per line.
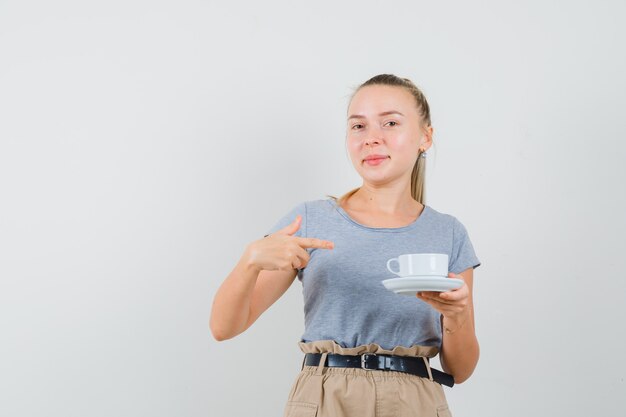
427	138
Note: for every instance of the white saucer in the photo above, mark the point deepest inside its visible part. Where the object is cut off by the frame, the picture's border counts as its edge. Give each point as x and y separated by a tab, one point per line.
411	284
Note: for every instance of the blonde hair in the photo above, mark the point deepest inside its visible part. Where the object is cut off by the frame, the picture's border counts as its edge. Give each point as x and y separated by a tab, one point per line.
419	169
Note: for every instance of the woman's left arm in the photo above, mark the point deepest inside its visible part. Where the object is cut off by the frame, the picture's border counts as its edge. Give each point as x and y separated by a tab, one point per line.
459	350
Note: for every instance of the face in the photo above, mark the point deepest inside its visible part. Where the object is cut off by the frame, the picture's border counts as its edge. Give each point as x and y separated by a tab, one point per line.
396	137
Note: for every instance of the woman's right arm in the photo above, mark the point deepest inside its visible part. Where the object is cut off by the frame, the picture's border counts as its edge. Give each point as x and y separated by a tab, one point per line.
244	295
264	272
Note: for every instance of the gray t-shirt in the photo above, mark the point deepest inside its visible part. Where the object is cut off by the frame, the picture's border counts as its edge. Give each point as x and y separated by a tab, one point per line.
344	299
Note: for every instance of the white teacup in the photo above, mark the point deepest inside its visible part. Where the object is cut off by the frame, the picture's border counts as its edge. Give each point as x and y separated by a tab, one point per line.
420	264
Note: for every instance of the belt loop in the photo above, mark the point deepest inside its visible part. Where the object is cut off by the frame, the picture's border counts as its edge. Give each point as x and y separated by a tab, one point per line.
430	374
303	360
320	367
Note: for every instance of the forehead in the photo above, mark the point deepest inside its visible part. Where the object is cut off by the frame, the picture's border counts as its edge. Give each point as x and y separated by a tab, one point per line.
375	98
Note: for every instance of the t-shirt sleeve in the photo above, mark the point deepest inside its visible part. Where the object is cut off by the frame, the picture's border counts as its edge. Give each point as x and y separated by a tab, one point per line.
463	255
289	217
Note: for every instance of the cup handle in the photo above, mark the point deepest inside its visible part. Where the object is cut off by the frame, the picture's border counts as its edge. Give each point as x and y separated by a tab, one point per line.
389	266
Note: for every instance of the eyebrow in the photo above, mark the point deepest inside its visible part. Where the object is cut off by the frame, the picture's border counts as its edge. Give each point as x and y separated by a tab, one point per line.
385	113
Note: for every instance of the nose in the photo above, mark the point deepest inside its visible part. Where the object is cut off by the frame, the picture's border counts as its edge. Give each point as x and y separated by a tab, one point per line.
375	138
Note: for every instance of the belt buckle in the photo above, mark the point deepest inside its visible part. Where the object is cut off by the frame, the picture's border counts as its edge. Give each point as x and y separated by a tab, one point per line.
364	361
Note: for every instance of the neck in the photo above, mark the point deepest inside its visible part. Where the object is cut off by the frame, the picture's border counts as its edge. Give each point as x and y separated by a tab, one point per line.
383	200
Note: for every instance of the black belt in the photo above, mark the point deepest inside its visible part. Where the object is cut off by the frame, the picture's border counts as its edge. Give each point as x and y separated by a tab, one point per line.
411	365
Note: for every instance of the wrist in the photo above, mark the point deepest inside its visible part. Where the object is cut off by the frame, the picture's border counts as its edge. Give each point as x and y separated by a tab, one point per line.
247	261
457	317
452	323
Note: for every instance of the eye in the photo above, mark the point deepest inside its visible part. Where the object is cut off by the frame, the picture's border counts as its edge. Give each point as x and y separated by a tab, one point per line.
356	126
391	121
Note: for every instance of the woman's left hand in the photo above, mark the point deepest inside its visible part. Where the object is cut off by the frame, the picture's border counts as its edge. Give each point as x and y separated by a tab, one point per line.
452	304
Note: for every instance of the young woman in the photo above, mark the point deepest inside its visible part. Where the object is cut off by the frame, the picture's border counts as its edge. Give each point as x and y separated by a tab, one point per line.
366	348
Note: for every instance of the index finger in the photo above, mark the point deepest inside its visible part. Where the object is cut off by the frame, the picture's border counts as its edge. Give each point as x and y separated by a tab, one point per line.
311	242
454	294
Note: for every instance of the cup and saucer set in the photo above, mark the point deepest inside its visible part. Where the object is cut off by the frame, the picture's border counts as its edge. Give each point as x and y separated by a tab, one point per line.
420	272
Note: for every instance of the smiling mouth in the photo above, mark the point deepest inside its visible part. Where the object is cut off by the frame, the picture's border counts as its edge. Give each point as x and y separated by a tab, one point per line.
375	161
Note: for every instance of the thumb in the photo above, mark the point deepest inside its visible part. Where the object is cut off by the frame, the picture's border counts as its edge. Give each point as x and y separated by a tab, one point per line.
293	227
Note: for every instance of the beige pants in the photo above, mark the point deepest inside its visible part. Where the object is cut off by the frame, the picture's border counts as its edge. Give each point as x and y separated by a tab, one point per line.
321	391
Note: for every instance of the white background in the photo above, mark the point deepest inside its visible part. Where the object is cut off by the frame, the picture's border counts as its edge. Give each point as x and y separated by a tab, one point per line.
144	144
